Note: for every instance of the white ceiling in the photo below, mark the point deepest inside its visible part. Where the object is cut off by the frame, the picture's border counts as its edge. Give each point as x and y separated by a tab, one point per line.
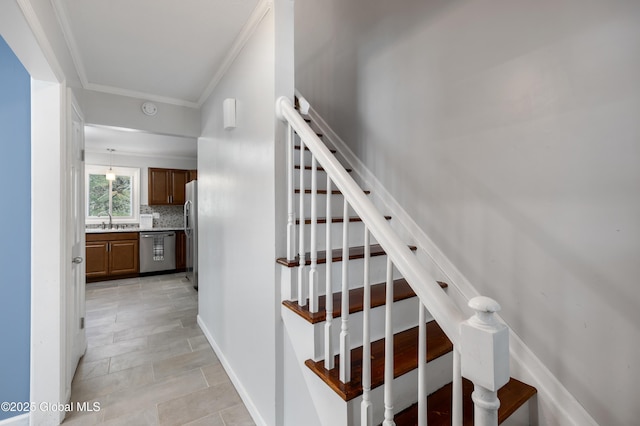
163	50
169	51
134	143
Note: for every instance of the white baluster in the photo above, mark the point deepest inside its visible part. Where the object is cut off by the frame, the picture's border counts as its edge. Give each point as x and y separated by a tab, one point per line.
422	366
302	288
366	410
456	390
291	214
388	348
329	363
345	345
313	271
485	352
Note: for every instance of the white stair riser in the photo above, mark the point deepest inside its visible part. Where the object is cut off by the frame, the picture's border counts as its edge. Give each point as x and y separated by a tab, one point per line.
405	316
523	416
356	235
377	273
337	202
321	178
405	390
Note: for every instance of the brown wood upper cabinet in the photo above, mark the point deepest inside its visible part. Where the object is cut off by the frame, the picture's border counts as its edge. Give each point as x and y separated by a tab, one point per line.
193	175
166	186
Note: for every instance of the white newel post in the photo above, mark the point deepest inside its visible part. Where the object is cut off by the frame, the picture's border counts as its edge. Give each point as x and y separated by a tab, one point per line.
485	358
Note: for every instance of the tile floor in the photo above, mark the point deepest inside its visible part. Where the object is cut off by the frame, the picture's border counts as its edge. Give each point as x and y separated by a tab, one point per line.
147	361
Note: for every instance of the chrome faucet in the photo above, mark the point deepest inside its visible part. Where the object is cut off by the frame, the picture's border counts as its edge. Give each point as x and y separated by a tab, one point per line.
110	220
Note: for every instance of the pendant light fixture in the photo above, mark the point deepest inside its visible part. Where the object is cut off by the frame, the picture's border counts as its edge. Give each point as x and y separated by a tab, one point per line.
110	175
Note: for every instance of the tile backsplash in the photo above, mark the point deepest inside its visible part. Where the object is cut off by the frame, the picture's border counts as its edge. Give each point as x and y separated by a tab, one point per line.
170	216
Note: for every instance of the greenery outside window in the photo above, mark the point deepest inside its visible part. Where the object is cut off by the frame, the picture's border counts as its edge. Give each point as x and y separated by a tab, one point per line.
120	197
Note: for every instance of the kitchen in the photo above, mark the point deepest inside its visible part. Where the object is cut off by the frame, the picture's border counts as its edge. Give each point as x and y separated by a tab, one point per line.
135	221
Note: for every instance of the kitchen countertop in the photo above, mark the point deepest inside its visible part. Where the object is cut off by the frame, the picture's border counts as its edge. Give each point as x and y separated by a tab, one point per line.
131	229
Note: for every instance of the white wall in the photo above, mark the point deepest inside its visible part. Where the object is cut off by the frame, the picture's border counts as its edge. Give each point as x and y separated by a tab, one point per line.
509	132
48	201
238	295
123	111
48	248
143	163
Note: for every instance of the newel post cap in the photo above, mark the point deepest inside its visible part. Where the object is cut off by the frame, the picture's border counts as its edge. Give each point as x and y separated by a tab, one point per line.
485	307
484	304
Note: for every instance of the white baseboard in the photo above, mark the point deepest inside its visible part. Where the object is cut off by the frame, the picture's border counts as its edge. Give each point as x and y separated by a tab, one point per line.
244	395
557	406
21	420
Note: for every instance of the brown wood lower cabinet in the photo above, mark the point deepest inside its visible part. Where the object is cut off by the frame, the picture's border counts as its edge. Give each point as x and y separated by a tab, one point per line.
111	255
181	251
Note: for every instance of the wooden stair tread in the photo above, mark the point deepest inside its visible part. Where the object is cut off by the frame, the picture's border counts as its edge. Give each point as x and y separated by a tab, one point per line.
324	192
340	219
336	255
401	291
512	396
405	349
320	169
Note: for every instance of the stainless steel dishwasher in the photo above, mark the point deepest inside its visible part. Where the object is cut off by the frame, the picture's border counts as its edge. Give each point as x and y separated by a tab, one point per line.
157	251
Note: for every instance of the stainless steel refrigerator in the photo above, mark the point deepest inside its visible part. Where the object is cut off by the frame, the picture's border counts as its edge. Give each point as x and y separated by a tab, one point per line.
191	231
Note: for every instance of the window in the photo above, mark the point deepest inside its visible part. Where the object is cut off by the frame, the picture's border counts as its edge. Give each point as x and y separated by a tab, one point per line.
119	197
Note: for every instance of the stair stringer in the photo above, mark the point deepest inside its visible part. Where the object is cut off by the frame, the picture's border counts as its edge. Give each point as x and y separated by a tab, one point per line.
554	404
329	409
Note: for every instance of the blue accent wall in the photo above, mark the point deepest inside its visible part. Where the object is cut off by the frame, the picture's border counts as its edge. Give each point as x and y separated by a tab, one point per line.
15	216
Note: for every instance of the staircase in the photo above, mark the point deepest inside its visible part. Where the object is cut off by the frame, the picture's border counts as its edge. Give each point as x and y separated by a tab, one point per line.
372	355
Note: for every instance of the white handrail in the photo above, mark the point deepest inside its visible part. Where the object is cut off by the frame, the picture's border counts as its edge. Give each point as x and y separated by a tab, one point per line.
481	343
441	307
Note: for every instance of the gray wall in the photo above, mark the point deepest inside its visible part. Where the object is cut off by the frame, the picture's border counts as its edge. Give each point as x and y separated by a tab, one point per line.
509	131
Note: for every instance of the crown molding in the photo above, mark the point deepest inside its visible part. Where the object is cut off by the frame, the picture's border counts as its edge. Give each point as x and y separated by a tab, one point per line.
63	19
41	38
140	95
122	153
260	11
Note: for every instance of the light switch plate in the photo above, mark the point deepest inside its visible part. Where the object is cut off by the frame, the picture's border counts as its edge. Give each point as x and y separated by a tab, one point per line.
156	215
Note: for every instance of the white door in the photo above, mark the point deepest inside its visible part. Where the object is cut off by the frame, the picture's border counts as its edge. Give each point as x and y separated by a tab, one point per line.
75	291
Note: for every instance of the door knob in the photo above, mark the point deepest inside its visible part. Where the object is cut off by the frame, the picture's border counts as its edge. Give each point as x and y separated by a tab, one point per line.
77	259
